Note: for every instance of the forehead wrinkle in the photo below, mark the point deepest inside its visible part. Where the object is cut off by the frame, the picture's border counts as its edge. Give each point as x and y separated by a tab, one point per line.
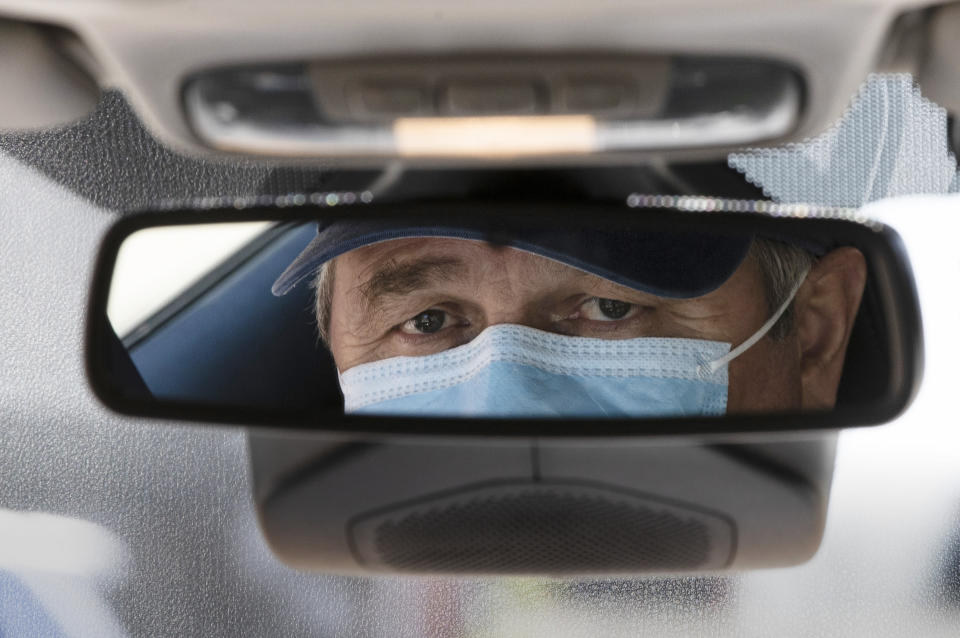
396	278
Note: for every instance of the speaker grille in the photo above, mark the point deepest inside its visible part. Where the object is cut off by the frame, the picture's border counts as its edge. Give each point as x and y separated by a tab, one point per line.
538	529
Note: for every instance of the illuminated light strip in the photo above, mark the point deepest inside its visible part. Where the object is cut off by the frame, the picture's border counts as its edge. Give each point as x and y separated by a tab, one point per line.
324	199
495	136
693	203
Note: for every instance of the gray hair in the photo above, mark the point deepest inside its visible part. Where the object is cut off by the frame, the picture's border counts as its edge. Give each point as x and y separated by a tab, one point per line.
781	266
322	285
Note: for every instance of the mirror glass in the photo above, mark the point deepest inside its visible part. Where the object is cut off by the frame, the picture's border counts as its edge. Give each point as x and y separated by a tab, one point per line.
501	311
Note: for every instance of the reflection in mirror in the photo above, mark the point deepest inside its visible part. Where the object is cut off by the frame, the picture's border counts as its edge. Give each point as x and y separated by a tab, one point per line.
433	325
140	290
504	315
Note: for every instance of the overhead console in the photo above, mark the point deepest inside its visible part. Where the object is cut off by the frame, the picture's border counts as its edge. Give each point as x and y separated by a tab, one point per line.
493	106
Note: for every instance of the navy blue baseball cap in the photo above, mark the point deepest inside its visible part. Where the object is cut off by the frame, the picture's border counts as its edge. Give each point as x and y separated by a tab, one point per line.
662	263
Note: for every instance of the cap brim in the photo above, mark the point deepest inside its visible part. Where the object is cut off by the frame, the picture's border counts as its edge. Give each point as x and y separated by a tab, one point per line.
666	264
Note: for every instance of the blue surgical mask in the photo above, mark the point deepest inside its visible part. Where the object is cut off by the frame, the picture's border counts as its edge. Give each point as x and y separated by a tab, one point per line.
518	371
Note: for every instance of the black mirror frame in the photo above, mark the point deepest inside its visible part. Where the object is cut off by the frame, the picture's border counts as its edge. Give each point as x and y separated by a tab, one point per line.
881	246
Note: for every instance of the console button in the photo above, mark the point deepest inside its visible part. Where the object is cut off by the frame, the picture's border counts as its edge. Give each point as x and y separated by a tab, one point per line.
597	95
392	99
491	97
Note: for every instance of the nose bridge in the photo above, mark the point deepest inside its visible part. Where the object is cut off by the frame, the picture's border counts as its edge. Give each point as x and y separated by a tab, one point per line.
514	293
514	310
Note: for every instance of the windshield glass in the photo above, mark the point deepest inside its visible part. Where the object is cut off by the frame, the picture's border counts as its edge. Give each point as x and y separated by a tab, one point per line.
115	526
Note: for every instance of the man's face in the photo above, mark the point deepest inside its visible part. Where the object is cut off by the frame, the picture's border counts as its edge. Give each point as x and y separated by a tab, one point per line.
416	297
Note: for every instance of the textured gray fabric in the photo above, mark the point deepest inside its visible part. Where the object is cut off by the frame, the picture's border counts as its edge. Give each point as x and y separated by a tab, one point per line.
891	141
112	160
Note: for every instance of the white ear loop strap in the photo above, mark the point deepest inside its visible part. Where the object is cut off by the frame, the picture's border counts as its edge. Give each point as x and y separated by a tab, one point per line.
716	364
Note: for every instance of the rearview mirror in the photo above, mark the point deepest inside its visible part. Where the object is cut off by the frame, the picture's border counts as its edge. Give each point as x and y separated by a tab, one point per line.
663	316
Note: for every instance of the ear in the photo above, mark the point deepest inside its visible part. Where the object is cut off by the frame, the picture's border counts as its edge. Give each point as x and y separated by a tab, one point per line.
827	305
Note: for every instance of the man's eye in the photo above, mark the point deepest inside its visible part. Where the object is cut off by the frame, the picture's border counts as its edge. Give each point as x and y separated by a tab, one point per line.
598	309
427	322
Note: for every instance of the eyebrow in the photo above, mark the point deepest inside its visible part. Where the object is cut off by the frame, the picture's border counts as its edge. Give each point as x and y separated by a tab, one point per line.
403	278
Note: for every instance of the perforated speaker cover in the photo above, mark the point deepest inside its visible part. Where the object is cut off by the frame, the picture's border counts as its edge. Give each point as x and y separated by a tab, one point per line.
542	527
